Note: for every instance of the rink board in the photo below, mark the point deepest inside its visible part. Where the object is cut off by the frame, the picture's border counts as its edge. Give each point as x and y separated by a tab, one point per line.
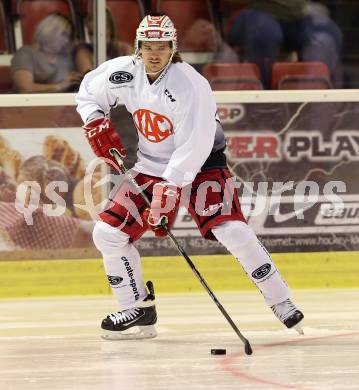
172	274
303	139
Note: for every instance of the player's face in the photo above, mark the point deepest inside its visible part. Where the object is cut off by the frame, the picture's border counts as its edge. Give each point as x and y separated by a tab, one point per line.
155	56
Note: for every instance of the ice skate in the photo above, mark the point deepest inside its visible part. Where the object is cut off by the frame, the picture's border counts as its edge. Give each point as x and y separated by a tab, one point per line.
288	313
135	323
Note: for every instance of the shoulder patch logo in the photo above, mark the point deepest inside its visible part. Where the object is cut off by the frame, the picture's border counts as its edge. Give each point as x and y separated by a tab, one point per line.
154	127
121	77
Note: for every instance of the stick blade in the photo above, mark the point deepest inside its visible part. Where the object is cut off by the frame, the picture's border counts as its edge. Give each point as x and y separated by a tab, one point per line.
247	348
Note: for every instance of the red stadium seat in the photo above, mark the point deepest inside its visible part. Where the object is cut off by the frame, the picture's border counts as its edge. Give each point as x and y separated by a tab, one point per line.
239	76
128	15
184	13
5	79
300	75
31	12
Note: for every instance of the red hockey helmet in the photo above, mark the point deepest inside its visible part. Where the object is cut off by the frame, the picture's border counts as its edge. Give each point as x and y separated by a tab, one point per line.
156	29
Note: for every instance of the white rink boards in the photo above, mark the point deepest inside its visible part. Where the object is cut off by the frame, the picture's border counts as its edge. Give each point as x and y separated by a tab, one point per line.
54	344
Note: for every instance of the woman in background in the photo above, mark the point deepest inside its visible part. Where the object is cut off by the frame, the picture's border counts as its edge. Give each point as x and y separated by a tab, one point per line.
48	64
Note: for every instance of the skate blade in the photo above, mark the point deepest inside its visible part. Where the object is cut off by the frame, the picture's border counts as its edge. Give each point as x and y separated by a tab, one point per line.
142	332
298	327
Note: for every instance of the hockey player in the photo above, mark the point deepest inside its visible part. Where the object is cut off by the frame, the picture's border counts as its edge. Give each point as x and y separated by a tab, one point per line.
181	145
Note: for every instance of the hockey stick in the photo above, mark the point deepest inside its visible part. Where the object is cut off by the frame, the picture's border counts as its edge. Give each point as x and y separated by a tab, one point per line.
247	347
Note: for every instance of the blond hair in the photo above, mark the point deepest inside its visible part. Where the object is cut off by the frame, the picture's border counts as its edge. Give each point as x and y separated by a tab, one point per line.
53	23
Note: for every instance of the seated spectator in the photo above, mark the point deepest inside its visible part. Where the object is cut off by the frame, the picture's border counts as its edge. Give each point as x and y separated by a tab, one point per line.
47	65
202	36
265	27
115	48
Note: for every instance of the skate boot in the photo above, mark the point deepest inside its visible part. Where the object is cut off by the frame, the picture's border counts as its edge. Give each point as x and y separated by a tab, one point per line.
134	323
287	313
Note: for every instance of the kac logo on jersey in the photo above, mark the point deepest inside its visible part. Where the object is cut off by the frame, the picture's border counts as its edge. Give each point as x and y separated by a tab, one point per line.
121	77
155	127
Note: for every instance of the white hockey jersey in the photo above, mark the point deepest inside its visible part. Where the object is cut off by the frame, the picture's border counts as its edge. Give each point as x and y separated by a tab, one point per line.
175	116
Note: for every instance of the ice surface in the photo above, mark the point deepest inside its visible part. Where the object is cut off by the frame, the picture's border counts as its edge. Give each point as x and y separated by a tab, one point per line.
55	344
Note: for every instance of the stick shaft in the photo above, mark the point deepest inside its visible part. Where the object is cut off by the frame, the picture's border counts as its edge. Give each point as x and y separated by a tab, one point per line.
205	285
179	248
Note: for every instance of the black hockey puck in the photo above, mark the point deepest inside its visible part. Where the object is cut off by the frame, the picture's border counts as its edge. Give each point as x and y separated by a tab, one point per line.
218	351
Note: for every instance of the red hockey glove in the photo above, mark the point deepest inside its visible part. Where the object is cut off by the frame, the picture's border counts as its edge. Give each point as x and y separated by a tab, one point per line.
164	205
102	136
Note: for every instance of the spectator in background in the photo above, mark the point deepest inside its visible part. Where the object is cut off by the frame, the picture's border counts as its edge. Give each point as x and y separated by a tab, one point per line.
115	48
47	65
202	36
265	27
